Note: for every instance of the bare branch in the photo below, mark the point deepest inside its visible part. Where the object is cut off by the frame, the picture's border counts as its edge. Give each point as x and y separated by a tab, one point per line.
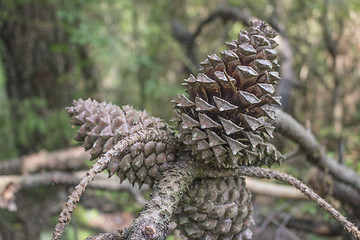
72	158
289	127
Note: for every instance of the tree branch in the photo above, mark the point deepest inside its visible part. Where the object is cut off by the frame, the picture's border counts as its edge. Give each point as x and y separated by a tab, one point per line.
289	127
153	221
72	158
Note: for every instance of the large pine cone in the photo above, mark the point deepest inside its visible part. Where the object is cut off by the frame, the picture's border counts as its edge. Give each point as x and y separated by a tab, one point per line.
102	125
216	209
225	119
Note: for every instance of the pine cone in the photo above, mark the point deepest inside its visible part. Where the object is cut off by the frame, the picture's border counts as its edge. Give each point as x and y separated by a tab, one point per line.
102	125
225	119
216	209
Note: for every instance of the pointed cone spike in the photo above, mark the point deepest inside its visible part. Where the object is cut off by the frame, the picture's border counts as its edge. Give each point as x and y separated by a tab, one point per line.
254	139
176	117
275	64
248	98
121	176
228	56
224	105
79	119
202	78
138	161
141	174
260	65
113	168
231	45
269	111
246	50
276	100
197	134
95	151
202	105
216	62
251	156
250	122
229	126
235	145
150	161
269	130
184	102
219	150
274	76
176	99
188	122
106	132
267	88
190	80
235	157
243	37
125	163
270	54
260	42
203	145
214	139
207	122
206	155
247	74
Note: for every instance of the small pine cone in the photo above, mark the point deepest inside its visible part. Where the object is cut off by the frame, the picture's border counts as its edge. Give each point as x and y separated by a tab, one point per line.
216	209
102	125
225	119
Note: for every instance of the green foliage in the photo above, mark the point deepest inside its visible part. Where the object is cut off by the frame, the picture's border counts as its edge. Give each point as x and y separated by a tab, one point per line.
7	148
50	129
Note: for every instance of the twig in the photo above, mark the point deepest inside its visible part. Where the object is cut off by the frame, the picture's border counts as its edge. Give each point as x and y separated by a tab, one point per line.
272	174
98	167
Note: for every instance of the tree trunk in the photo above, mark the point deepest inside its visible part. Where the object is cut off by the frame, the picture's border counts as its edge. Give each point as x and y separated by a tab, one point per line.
40	60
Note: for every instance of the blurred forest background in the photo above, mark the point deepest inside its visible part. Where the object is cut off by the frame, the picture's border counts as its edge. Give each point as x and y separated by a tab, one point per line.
137	53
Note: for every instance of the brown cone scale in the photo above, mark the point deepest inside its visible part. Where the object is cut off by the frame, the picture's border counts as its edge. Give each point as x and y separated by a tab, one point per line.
224	120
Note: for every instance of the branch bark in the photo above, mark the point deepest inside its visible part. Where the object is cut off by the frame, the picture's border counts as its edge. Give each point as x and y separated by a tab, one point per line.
153	221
